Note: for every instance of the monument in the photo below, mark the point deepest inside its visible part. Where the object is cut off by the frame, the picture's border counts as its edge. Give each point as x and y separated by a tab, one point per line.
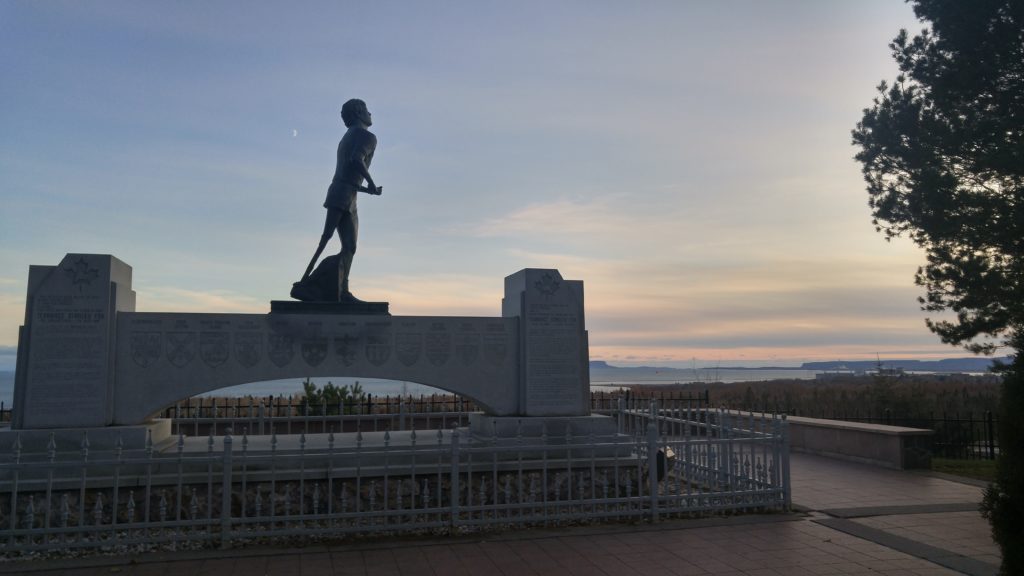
87	360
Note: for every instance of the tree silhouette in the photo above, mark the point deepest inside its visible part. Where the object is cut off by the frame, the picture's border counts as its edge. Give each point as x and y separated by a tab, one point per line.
942	150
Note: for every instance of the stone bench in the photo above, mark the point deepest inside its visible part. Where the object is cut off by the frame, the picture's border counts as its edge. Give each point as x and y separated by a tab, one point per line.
877	444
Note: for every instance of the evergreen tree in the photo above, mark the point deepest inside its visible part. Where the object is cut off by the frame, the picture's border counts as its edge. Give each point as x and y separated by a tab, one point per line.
942	150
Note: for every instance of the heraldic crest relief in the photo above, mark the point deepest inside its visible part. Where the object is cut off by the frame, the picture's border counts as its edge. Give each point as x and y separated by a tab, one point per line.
181	347
248	348
346	347
408	346
214	348
314	350
378	348
439	347
146	347
467	348
279	349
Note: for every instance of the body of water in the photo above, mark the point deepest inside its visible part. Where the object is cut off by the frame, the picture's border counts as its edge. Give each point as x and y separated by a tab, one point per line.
599	378
599	381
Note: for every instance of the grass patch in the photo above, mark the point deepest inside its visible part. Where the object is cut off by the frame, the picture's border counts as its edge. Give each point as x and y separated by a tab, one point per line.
979	469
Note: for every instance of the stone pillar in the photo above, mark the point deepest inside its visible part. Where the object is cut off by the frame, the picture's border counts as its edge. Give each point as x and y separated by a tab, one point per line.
65	369
554	370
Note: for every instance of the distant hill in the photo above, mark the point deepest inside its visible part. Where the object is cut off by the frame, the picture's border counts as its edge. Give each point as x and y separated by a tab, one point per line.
971	364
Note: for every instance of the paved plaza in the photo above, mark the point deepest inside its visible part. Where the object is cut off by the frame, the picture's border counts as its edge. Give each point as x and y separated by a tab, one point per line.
850	519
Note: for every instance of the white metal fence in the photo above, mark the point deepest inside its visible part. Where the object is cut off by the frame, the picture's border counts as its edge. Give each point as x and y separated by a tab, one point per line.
665	461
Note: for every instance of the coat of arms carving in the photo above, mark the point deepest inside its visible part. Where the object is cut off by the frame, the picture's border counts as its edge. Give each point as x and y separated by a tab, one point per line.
214	348
280	349
248	348
408	346
146	347
181	347
467	348
438	347
378	348
314	350
346	347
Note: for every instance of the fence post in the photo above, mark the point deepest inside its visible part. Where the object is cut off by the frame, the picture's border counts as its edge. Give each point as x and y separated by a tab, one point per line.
991	435
652	458
787	495
225	495
622	414
454	482
652	466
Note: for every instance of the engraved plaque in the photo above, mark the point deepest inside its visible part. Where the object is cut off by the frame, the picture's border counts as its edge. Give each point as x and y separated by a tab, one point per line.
70	313
554	340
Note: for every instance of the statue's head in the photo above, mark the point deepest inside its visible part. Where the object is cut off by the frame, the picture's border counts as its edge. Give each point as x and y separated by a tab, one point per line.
353	110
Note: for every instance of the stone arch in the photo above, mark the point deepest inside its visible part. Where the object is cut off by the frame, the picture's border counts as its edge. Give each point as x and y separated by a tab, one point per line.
87	359
163	358
321	380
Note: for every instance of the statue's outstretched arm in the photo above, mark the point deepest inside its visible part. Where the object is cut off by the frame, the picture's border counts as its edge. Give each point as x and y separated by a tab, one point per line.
359	165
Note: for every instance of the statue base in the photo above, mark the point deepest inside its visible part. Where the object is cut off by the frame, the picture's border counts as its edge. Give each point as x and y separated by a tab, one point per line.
342	308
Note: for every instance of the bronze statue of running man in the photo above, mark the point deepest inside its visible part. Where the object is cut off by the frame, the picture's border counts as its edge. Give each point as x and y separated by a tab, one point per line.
355	152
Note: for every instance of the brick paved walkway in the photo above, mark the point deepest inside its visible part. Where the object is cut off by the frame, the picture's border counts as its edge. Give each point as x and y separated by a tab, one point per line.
857	520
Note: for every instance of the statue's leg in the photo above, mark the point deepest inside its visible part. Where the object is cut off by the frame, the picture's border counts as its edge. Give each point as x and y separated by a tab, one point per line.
330	225
348	232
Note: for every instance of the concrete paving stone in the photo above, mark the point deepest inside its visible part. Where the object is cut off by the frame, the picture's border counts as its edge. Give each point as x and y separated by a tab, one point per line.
510	567
315	567
419	569
823	569
148	570
479	565
765	572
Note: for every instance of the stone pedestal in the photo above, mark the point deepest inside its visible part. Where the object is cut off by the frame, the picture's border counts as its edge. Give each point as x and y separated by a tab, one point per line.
347	308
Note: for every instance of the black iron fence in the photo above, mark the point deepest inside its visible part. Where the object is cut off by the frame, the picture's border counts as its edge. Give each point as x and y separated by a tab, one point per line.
967	436
292	414
296	406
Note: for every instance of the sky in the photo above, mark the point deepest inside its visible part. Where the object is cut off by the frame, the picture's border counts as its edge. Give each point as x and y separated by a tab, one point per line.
689	161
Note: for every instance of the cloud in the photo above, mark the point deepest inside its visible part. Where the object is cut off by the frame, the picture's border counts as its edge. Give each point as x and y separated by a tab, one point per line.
436	294
555	219
175	299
